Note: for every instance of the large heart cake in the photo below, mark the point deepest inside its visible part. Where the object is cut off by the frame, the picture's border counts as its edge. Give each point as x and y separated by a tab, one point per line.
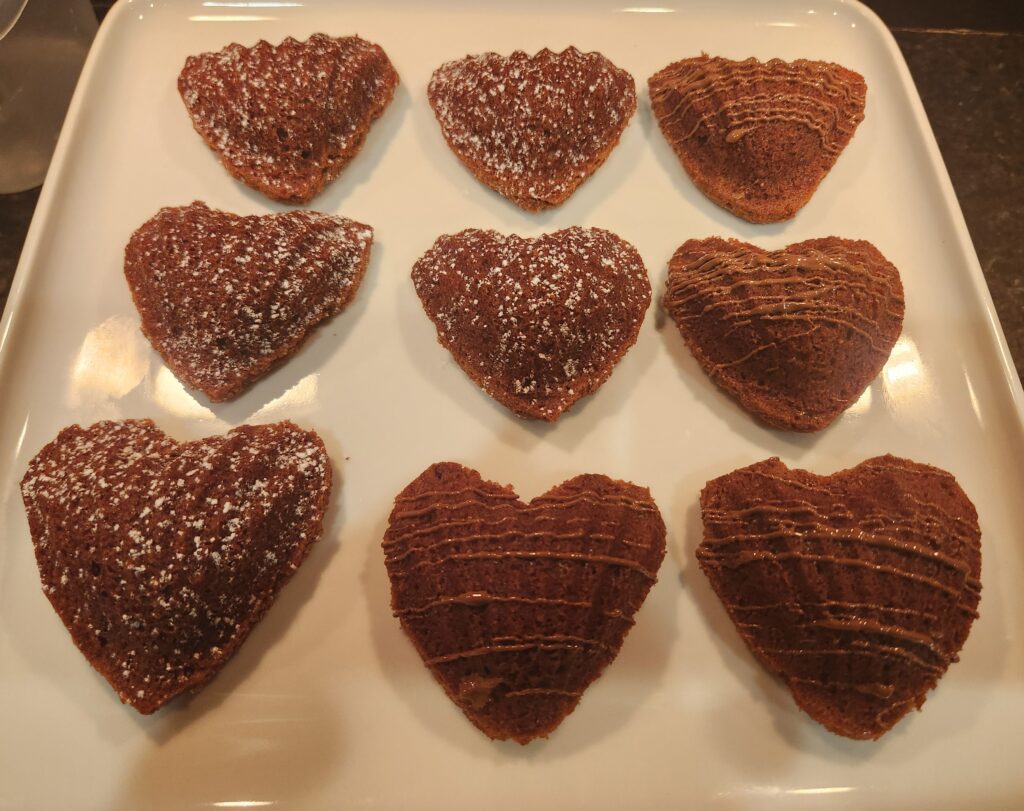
161	556
795	335
858	589
516	608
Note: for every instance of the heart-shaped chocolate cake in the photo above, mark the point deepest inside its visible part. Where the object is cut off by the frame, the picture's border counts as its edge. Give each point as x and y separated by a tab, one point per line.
795	335
225	298
160	556
286	119
516	608
533	128
757	137
536	323
858	589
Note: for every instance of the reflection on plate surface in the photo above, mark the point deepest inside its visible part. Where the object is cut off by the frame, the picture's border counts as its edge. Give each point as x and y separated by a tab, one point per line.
112	361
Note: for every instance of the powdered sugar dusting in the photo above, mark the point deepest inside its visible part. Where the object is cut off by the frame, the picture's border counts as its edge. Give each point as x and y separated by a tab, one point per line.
532	127
538	323
223	297
287	118
159	556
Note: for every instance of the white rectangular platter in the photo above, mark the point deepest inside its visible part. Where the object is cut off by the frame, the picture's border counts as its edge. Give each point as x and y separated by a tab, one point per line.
327	704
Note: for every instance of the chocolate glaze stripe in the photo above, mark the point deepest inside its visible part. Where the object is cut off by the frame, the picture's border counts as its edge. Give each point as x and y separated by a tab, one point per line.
764	348
697	75
876	689
748	112
896	710
786	507
865	626
868	649
576	557
699	81
926	506
537	505
518	644
891	523
838	604
702	277
746	558
472	522
479	598
927	473
821	531
541	691
441	526
692	281
405	515
477	537
783	108
483	492
740	259
599	499
897	632
744	316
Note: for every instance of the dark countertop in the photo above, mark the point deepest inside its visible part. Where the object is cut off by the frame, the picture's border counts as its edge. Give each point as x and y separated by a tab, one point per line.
967	60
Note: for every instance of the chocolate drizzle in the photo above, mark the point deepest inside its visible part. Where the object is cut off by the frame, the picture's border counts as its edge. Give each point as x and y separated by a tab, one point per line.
795	335
225	298
757	137
159	556
859	589
517	607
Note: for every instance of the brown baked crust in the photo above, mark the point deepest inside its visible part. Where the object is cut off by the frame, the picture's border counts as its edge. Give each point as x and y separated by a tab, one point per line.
286	119
160	557
516	608
794	335
533	128
224	298
858	589
536	323
757	137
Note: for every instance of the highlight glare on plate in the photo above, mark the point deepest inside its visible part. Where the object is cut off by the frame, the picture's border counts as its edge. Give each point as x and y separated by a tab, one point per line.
170	394
111	362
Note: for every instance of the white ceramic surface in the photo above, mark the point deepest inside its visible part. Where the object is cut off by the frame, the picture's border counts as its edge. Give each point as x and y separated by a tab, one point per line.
327	705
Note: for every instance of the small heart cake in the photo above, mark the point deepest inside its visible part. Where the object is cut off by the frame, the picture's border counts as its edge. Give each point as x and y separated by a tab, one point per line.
757	137
160	556
516	608
795	335
536	323
225	298
857	589
286	119
533	128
